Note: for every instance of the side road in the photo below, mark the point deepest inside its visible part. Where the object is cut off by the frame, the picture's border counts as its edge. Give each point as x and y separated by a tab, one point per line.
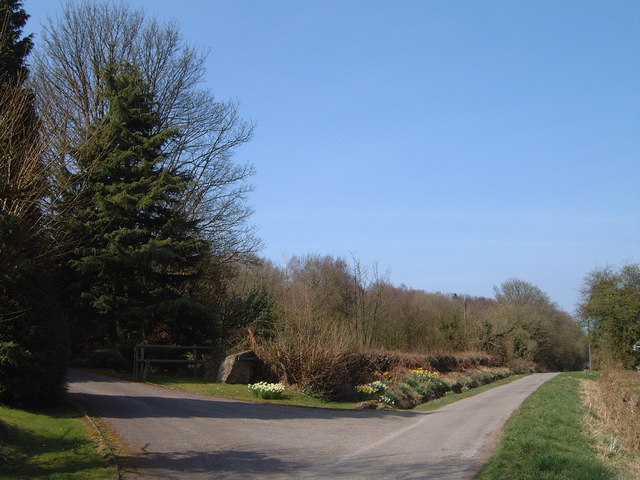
179	435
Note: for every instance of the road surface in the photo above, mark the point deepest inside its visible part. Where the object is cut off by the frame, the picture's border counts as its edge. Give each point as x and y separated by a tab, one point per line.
178	435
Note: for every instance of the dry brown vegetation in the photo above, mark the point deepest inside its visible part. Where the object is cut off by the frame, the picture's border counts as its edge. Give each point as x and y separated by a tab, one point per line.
330	317
615	398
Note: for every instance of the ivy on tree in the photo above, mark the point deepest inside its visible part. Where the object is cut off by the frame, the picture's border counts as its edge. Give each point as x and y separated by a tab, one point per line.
138	251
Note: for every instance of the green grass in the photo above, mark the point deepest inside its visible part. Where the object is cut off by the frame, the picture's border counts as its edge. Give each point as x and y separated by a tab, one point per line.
241	392
544	439
451	397
292	397
49	445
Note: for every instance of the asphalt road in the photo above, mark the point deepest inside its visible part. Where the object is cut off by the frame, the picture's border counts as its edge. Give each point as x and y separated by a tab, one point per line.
177	435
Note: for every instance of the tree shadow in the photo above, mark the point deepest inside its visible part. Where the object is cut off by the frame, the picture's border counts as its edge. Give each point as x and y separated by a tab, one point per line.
169	403
238	464
19	447
129	407
218	464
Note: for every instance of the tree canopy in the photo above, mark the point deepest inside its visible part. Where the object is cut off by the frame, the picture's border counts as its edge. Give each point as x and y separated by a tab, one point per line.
68	64
610	312
136	247
14	49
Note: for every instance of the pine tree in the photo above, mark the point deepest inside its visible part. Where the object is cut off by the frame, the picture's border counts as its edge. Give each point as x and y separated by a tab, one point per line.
13	49
138	251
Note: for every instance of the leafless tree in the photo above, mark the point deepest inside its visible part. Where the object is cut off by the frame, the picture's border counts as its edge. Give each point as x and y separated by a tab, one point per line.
88	36
22	175
26	182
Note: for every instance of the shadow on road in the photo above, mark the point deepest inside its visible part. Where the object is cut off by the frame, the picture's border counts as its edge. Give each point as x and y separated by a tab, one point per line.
222	463
139	400
238	464
128	406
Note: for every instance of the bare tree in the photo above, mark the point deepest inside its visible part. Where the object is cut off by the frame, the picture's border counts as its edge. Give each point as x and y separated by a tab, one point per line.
76	47
22	177
369	286
520	292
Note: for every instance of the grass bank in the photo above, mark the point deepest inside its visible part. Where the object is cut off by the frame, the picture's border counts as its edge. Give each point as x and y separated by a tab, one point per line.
49	445
241	392
293	397
615	399
545	439
451	397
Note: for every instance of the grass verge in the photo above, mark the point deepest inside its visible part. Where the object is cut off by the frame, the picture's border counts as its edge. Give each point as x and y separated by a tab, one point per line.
241	392
544	439
49	445
451	397
292	397
615	400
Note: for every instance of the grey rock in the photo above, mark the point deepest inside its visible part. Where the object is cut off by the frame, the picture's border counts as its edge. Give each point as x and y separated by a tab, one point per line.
244	367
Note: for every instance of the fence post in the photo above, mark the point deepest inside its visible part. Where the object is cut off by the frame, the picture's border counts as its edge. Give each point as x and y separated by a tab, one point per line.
135	362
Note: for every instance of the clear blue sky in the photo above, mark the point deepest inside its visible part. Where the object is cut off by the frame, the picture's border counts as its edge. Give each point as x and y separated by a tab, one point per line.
458	143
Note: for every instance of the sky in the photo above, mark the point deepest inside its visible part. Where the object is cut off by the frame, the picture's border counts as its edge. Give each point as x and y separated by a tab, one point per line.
456	144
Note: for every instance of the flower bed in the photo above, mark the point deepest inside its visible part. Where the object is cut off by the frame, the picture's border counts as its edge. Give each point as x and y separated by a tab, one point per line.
416	386
266	391
420	385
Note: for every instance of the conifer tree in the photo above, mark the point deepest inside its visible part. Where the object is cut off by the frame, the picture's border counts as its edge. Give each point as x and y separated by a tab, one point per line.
13	49
137	252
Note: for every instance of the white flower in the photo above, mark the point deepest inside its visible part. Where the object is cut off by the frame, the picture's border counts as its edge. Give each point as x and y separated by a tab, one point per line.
266	390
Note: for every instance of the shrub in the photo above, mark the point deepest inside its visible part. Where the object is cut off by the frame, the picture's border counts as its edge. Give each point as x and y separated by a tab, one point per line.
406	395
313	356
33	341
368	362
104	358
415	387
520	365
468	381
427	384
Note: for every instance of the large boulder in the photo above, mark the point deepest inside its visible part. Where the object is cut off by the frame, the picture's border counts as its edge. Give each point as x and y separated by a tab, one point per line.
244	367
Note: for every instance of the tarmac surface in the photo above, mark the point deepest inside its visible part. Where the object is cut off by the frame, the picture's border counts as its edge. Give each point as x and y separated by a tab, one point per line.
171	434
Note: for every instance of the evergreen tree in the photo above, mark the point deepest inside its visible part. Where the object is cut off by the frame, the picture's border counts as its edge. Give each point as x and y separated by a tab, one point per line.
13	49
32	332
138	251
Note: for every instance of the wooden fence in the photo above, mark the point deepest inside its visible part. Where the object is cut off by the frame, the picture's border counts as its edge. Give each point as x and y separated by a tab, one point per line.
143	357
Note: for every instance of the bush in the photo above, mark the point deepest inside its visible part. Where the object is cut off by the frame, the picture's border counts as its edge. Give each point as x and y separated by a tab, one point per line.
33	357
426	383
405	396
415	387
371	361
520	365
313	356
104	358
33	337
